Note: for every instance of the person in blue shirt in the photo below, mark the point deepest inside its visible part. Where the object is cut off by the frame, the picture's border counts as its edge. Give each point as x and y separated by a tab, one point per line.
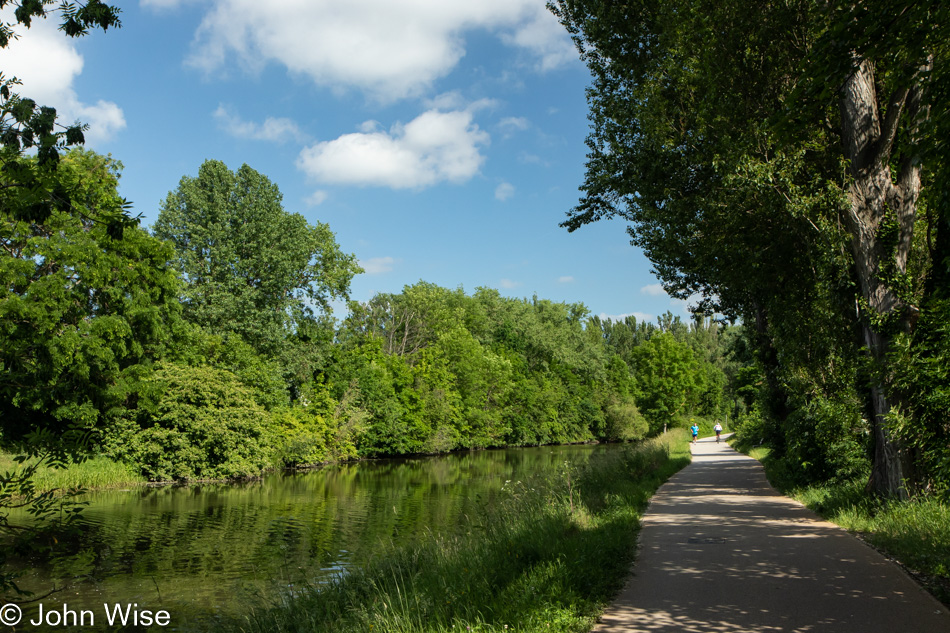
695	431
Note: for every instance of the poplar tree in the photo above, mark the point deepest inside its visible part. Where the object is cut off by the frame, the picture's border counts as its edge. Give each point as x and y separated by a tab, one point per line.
250	267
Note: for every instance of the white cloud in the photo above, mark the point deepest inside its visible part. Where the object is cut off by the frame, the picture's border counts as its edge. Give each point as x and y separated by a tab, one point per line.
514	124
640	316
164	5
654	290
317	198
272	129
531	159
504	191
368	127
509	284
446	101
391	50
567	279
48	63
544	37
377	265
432	148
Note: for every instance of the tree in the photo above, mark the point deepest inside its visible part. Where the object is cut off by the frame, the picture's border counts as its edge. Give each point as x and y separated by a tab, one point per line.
31	188
23	123
81	309
83	312
32	192
410	321
250	267
668	379
768	157
881	57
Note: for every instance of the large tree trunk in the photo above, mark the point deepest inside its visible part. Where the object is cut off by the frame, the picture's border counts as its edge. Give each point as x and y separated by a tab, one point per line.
875	197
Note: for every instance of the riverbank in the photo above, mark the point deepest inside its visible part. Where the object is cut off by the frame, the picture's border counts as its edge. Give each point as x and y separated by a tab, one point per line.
95	473
548	556
103	473
915	534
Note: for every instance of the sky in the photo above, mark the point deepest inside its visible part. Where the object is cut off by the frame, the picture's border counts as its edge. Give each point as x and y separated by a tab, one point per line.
440	140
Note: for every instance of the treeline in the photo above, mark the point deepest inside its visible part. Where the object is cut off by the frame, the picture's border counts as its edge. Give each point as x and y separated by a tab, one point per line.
207	349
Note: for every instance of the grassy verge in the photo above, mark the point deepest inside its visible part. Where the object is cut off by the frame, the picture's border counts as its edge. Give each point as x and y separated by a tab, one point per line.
914	533
548	557
96	472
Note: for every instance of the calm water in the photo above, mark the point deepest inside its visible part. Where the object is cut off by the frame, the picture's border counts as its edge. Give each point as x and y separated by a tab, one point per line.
199	550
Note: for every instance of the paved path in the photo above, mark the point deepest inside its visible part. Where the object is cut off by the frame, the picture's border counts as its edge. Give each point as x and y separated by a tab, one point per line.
721	551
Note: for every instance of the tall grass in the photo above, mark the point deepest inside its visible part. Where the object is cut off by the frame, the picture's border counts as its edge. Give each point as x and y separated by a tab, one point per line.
915	533
548	557
96	472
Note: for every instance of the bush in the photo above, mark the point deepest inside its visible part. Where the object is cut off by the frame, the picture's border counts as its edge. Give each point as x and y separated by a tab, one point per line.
824	441
921	383
194	423
199	347
624	422
314	431
301	437
751	429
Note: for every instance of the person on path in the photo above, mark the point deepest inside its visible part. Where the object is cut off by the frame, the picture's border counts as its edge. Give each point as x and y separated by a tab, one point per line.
695	431
718	430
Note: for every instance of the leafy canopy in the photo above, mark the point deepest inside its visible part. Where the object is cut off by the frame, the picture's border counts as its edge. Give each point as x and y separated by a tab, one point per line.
80	309
250	267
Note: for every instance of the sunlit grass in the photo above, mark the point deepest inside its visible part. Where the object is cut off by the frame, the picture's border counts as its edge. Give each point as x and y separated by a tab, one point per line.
95	472
916	532
548	557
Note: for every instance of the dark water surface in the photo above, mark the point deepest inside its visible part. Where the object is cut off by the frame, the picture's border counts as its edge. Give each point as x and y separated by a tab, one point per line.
199	550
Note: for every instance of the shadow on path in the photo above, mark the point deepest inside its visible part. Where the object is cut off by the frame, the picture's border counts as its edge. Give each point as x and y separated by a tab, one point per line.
722	551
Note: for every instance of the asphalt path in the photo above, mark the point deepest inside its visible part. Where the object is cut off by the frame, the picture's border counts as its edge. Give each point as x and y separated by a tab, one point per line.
722	551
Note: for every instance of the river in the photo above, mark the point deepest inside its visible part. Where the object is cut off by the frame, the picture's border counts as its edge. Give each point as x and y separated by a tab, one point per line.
199	550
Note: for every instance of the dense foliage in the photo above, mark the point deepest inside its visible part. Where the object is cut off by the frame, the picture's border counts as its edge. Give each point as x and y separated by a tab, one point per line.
782	161
80	309
201	357
74	319
428	370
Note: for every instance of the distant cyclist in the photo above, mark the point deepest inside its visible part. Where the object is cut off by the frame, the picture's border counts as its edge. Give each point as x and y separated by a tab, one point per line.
718	430
695	431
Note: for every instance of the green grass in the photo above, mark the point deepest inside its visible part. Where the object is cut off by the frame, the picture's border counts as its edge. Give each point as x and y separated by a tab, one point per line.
93	473
549	557
915	533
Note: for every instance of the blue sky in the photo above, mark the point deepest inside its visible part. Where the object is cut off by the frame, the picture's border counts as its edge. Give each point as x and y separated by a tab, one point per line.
441	140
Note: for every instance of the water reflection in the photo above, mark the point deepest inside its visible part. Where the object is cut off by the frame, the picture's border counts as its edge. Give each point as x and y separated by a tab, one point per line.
203	548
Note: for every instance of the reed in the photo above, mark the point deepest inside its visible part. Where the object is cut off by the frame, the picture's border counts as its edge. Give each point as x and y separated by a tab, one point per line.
93	473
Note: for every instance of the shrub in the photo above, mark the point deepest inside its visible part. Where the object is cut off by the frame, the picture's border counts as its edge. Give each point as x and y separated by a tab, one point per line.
624	421
311	432
751	429
824	441
194	423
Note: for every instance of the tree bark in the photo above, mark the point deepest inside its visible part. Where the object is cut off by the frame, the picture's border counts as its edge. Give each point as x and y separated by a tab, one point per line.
875	197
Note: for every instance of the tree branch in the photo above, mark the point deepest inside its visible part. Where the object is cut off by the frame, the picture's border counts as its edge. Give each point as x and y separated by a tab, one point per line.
895	106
